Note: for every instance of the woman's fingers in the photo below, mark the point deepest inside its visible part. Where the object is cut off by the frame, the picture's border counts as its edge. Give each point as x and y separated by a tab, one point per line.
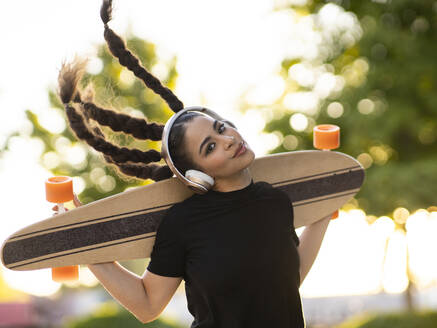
76	201
56	213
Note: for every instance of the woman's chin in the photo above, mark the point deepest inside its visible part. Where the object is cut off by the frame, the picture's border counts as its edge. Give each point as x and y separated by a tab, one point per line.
247	158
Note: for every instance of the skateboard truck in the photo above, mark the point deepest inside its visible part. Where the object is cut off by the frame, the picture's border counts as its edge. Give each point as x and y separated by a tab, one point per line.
327	137
59	190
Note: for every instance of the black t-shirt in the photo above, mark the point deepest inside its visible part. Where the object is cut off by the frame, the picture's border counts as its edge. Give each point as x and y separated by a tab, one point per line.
237	252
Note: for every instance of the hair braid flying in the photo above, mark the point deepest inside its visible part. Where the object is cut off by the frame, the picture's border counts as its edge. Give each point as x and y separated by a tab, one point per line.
69	76
127	59
137	127
81	109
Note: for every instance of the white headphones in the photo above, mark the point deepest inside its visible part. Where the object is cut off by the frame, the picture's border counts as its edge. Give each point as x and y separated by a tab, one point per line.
196	180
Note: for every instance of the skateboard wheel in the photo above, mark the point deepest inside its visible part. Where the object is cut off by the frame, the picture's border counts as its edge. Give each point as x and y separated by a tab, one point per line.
67	273
59	189
326	136
334	215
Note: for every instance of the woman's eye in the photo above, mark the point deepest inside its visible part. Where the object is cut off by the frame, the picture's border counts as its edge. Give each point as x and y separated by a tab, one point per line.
221	129
209	149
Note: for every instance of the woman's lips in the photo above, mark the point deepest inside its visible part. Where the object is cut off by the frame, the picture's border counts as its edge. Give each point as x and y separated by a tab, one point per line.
241	149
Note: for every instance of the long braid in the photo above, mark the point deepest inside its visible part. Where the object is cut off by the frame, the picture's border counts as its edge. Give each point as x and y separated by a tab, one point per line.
122	154
150	171
79	115
153	171
137	127
127	59
68	79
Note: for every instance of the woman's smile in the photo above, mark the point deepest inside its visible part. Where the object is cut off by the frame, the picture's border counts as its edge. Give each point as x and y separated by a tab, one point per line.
241	149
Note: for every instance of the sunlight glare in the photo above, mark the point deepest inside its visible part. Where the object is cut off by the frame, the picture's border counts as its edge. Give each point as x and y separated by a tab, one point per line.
254	119
94	65
305	102
335	109
76	154
385	225
365	160
421	229
270	140
32	147
51	160
62	145
302	73
267	91
325	85
79	184
394	277
346	245
290	142
126	78
400	215
366	106
52	120
86	277
298	122
35	282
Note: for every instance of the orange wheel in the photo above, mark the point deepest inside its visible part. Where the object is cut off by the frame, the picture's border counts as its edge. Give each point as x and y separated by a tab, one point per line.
334	215
67	273
59	189
326	136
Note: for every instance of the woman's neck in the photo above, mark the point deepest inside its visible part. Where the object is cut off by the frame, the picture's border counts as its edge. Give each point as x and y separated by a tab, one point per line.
238	181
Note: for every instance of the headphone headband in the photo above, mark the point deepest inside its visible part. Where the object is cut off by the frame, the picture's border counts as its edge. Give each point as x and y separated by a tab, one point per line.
165	153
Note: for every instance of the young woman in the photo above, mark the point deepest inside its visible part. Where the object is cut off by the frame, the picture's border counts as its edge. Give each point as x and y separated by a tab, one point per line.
234	246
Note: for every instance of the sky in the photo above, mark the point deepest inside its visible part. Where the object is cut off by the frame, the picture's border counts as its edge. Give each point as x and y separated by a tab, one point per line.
222	48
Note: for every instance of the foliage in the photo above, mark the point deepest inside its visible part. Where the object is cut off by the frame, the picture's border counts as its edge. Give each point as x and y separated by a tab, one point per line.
425	319
114	86
389	119
110	315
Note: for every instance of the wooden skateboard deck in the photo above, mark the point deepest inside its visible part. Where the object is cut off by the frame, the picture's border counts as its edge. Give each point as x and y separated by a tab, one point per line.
123	226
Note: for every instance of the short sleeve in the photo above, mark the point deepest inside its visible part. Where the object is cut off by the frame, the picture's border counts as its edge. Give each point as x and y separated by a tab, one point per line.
294	236
167	257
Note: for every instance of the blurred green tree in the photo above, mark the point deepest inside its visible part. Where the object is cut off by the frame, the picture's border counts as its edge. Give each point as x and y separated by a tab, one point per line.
424	319
369	67
110	315
374	75
115	87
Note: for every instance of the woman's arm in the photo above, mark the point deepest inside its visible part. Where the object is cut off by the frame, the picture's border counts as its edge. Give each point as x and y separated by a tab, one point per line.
145	297
309	245
130	290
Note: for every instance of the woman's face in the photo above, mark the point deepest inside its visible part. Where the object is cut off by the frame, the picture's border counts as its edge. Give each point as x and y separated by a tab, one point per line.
213	144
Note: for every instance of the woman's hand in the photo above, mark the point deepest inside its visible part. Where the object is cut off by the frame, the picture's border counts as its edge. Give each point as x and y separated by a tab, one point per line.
76	202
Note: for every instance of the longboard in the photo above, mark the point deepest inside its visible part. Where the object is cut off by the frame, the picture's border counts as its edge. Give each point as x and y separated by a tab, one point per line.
123	226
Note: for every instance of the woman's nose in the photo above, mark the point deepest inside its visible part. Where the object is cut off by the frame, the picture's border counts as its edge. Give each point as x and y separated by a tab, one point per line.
229	141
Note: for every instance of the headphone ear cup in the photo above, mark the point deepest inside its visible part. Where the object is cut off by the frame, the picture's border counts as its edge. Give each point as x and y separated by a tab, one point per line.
200	178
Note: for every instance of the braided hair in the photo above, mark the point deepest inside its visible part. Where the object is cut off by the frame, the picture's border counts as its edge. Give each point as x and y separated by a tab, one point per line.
80	110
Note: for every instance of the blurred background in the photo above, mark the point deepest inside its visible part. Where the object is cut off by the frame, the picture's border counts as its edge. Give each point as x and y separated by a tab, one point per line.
275	68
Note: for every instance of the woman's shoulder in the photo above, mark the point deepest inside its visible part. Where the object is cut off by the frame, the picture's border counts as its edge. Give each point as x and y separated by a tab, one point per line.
264	187
172	218
268	189
181	208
